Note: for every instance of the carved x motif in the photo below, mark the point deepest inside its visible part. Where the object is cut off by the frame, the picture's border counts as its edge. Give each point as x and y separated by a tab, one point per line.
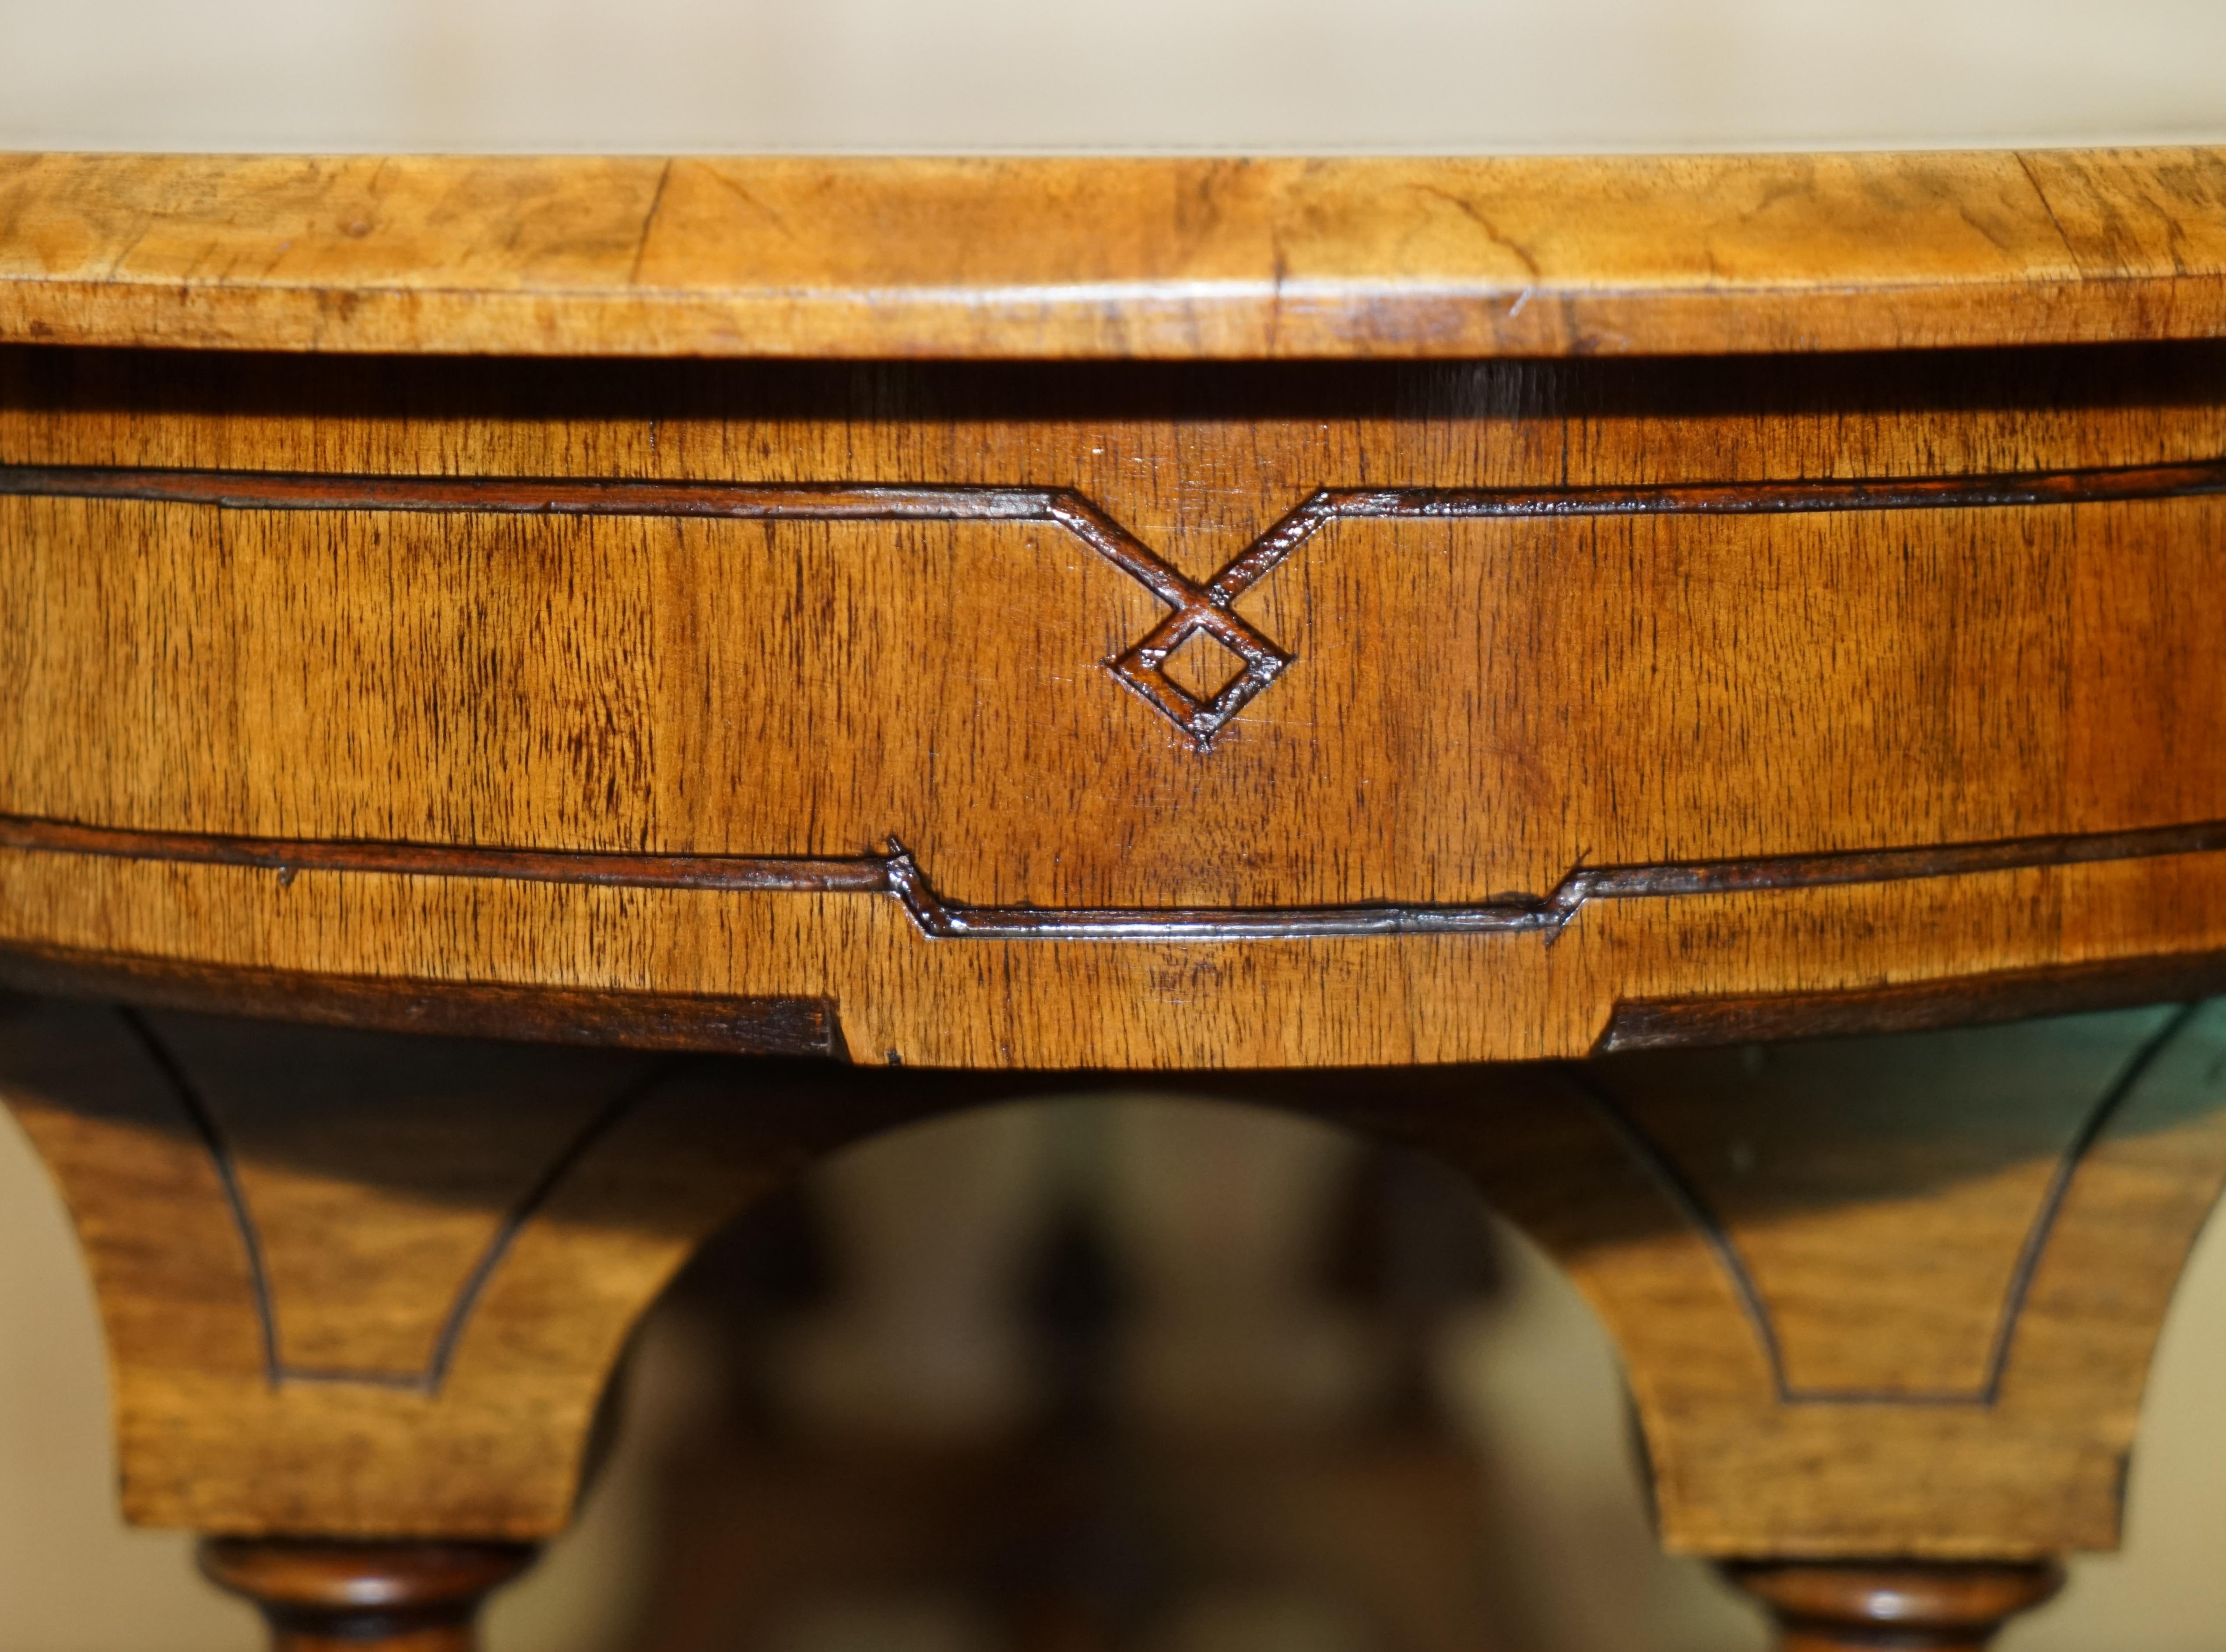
1196	609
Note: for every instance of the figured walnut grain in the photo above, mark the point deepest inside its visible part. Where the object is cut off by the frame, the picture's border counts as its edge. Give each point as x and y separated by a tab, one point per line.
1112	257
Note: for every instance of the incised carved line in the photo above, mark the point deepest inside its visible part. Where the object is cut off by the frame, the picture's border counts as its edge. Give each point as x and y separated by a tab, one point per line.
276	1372
1589	1083
1194	609
187	1095
896	873
528	1205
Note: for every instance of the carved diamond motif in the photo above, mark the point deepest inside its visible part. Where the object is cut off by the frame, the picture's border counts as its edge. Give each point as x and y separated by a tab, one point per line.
1143	668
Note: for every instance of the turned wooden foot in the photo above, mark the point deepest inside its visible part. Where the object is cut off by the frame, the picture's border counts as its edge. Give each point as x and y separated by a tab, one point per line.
1921	1606
364	1596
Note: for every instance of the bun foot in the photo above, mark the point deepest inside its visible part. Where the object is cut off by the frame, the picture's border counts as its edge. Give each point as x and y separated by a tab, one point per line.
1916	1606
337	1596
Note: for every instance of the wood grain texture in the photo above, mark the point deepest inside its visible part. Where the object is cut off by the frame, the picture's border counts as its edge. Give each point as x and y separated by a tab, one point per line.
450	1007
1113	257
1963	1001
1593	682
1347	720
367	1286
328	1597
1939	1608
1893	1296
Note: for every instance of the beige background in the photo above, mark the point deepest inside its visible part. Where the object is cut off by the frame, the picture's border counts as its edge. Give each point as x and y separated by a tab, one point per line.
1003	73
853	75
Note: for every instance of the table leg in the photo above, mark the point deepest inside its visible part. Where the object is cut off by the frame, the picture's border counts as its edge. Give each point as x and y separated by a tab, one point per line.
363	1293
1891	1298
1885	1307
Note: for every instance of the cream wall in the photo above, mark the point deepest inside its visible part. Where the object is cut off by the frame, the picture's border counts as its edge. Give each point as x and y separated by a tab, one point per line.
1451	74
1227	73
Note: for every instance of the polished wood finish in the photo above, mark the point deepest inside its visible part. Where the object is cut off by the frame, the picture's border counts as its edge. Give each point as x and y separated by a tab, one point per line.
1923	1608
557	1015
1894	1296
326	1596
1655	604
364	1285
860	687
1966	1001
1881	1297
1113	257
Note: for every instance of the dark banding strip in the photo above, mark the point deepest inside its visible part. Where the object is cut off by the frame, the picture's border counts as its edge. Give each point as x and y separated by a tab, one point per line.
1914	1006
535	1014
940	919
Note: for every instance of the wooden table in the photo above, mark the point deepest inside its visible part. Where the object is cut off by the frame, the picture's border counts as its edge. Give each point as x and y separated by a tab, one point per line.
542	694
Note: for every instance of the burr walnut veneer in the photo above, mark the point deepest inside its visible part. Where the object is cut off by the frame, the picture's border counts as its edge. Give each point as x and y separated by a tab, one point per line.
1484	650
